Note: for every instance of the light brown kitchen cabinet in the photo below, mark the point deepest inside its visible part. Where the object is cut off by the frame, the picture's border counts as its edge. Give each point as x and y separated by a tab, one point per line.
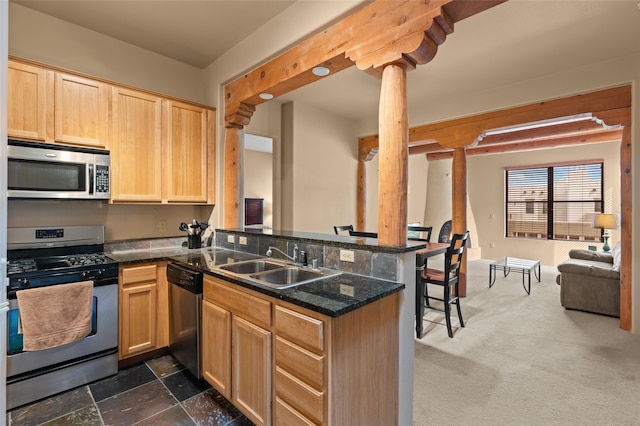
162	150
294	366
187	133
56	107
216	347
136	147
143	309
29	102
347	363
81	111
248	348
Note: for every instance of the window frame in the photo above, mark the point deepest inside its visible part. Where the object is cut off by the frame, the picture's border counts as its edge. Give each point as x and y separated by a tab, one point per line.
549	204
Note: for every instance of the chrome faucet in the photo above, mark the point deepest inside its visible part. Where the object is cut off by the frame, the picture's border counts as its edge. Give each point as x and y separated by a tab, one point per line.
294	259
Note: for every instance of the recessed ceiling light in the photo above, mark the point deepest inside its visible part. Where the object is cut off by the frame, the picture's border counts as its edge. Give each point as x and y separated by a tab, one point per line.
265	96
320	71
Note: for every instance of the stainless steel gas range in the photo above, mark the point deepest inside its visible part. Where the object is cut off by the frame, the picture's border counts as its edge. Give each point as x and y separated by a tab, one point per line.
49	256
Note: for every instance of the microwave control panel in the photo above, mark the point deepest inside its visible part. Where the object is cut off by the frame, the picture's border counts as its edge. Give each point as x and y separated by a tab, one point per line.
102	179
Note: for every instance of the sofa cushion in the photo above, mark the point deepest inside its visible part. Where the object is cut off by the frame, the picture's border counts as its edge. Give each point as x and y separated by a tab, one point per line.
590	268
591	255
617	256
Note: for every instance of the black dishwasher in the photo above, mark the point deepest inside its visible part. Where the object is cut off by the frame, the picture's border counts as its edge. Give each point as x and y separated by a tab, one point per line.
185	299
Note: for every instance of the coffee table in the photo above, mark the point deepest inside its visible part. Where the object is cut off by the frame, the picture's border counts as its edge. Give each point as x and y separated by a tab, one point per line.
507	264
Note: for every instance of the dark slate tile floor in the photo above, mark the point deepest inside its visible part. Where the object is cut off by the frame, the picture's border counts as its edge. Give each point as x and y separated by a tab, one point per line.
158	391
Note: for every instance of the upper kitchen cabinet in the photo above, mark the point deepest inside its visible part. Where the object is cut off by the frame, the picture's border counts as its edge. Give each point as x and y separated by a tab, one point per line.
188	152
29	102
54	107
162	151
136	146
81	111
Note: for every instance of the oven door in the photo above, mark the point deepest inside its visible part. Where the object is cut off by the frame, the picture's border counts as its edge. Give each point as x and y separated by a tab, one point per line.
103	336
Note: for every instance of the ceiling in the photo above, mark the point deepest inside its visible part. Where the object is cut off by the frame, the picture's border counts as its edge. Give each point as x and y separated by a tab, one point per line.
544	37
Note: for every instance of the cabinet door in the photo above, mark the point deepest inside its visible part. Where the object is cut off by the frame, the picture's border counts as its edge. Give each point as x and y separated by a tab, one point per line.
81	111
136	144
252	370
138	318
29	102
185	149
216	347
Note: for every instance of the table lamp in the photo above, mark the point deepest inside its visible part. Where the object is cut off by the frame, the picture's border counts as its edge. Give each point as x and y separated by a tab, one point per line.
606	221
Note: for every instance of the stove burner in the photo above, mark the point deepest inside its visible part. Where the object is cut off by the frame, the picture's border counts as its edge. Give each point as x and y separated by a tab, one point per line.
23	265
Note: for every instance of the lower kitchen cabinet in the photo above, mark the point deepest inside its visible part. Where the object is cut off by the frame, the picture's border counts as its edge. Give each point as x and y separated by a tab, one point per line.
143	309
283	364
216	347
236	345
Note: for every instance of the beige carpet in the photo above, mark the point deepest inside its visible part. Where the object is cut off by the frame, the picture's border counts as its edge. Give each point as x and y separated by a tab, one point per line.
525	360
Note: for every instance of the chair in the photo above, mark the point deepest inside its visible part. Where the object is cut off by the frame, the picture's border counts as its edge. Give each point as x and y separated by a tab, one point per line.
423	233
448	279
363	234
445	232
343	228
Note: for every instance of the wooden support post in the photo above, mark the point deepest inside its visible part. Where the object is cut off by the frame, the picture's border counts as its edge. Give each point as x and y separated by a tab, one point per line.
459	208
233	145
626	179
394	157
361	209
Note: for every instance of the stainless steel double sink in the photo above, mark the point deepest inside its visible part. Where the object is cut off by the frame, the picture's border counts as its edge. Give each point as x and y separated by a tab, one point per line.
275	274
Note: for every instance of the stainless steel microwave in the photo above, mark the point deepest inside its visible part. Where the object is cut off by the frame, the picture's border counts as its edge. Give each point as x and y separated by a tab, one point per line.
38	170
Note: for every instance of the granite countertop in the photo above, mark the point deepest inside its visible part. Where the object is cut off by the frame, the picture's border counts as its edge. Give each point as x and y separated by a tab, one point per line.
326	296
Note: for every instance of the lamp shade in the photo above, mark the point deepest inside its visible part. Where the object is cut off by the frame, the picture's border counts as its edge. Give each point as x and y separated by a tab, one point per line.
606	221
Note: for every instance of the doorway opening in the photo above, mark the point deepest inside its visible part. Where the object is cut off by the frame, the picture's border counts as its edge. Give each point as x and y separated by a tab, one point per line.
258	181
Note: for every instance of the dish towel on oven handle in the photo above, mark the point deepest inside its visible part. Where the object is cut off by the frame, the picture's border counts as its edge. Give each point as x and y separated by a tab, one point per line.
55	315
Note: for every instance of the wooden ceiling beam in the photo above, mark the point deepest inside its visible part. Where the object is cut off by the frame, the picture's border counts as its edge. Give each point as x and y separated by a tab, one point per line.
463	131
380	33
604	135
610	106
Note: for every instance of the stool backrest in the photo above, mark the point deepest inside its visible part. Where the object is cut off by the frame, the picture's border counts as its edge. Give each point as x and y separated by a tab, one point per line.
453	256
424	233
363	234
342	228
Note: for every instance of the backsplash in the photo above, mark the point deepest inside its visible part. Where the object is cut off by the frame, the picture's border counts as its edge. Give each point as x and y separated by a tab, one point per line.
366	262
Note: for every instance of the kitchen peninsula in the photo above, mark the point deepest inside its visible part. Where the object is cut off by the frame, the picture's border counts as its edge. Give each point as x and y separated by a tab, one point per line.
317	353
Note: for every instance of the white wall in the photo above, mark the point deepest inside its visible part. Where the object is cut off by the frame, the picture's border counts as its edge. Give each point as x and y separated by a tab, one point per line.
48	40
487	199
319	169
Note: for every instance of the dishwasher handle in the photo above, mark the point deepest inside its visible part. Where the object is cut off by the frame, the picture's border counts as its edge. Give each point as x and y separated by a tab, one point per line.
184	277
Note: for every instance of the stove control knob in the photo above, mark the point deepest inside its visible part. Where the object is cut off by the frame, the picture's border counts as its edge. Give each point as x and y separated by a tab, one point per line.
24	282
84	274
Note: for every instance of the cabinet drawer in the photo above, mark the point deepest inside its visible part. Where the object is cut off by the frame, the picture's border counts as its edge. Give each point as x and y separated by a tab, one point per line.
238	302
304	364
286	415
136	274
299	328
299	395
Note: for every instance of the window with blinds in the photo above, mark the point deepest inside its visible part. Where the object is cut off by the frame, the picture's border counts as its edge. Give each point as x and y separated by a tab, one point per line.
554	202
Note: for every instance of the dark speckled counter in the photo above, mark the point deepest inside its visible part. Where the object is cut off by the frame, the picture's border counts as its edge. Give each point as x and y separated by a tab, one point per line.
323	296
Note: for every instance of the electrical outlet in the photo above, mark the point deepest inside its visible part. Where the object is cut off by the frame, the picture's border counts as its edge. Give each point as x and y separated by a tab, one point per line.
346	255
492	244
162	226
347	290
231	239
243	241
